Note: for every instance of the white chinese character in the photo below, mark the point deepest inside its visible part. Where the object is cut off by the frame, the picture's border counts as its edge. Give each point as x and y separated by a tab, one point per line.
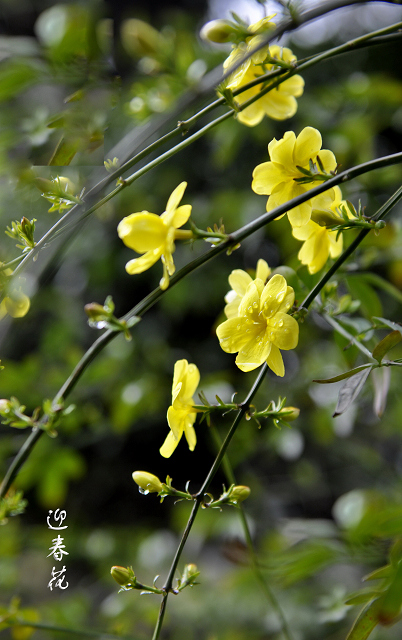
59	580
57	551
58	515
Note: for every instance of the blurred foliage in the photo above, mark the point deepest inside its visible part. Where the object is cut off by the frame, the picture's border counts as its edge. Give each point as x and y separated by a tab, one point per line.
325	507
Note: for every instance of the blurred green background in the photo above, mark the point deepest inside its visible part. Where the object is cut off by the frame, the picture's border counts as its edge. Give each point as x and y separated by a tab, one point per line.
325	502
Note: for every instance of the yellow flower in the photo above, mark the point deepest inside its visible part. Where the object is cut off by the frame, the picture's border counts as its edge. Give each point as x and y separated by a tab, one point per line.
279	103
319	242
239	281
279	178
15	305
262	326
258	32
154	235
181	415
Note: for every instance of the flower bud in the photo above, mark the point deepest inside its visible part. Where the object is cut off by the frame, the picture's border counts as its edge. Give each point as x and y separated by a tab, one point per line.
294	413
5	405
123	576
239	493
94	310
140	39
147	482
190	574
325	218
217	31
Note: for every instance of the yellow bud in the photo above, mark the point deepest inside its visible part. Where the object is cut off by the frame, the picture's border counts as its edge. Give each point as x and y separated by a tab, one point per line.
147	482
5	405
217	31
325	218
239	493
140	39
190	574
294	413
123	575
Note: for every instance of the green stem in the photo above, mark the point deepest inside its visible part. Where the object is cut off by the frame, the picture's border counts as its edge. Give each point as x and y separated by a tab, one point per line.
11	263
227	467
200	496
76	632
338	327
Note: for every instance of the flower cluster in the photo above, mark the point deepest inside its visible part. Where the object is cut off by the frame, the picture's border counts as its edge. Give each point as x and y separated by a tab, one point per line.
280	102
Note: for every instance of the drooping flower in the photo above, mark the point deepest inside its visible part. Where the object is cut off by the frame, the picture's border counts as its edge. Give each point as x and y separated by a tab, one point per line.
281	178
262	326
319	241
181	414
16	305
154	235
239	281
280	103
147	482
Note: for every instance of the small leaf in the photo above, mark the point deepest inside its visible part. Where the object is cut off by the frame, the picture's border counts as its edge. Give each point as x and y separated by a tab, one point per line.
64	152
388	323
343	376
386	344
365	622
379	574
381	380
361	597
350	390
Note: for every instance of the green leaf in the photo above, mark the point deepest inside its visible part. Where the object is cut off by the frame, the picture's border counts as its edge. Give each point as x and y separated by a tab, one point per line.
15	77
388	323
379	574
386	286
386	344
360	290
362	597
365	623
350	390
64	152
343	376
381	380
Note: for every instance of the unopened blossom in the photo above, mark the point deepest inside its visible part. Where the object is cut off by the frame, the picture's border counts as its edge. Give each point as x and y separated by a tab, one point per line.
319	241
280	103
147	482
262	327
154	235
16	305
181	414
279	178
239	281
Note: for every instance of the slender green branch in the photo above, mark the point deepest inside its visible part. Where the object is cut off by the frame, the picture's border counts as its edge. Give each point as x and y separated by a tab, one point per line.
338	327
11	263
76	632
227	468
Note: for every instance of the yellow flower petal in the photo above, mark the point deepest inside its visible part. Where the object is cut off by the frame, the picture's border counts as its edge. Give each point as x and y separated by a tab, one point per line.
273	295
284	331
328	160
263	270
254	353
266	177
239	281
175	197
142	231
181	215
275	361
168	446
279	106
138	265
308	144
189	432
281	151
232	334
